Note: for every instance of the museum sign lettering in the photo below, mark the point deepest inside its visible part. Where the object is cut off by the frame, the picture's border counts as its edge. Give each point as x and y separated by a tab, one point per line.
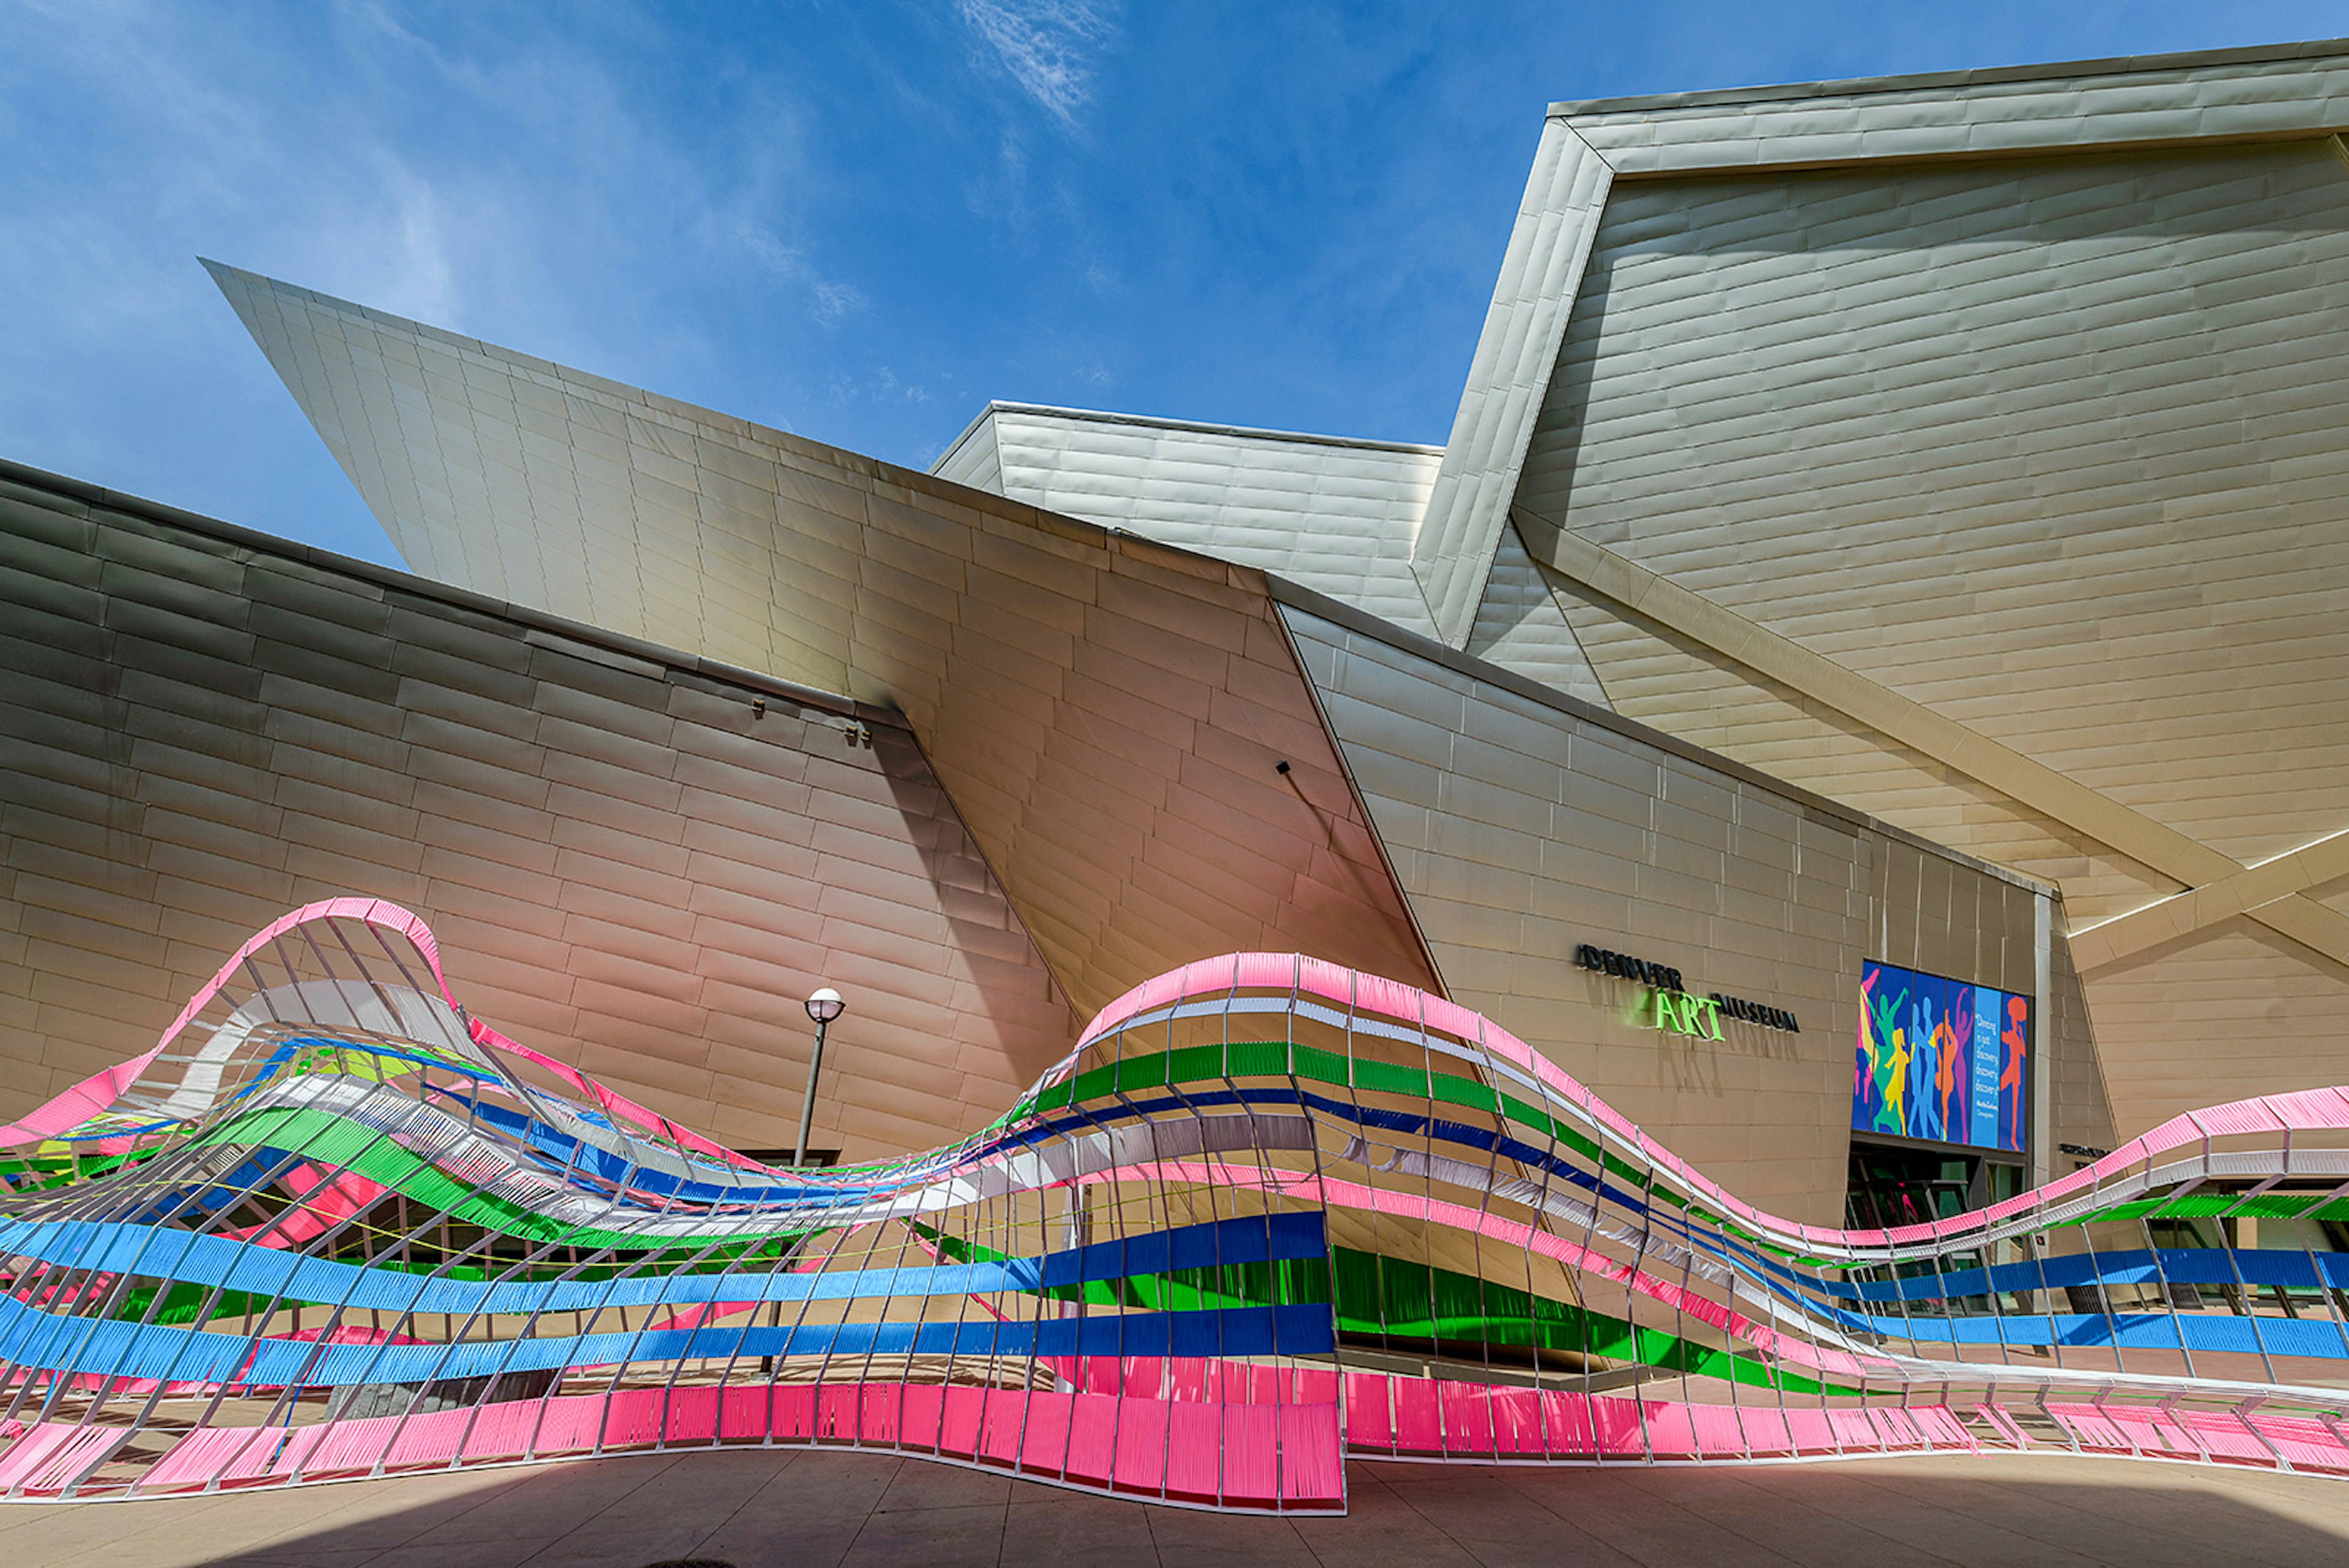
1669	1006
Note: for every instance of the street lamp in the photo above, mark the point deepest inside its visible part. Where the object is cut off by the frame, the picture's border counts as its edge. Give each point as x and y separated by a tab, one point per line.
823	1007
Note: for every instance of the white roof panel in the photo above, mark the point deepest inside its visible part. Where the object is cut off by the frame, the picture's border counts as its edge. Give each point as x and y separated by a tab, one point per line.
1330	513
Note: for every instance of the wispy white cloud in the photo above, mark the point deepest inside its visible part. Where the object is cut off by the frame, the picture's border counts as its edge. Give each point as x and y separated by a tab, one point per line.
833	301
396	256
1046	46
878	384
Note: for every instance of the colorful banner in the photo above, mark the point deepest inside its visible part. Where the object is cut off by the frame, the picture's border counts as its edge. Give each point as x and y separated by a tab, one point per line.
1940	1060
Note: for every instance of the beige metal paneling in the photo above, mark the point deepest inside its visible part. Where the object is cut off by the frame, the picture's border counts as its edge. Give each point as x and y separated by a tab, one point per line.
2055	447
1336	516
1106	713
2084	1115
2281	90
973	458
1521	825
1541	272
2235	1010
2256	890
628	865
1777	668
1522	625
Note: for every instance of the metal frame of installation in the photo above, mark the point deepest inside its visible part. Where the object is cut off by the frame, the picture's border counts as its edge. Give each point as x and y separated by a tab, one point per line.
1270	1213
1577	945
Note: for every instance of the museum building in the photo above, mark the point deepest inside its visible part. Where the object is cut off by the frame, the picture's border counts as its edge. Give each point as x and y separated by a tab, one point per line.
1859	687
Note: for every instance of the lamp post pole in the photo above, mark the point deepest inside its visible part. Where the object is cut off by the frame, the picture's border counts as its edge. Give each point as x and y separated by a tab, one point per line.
823	1007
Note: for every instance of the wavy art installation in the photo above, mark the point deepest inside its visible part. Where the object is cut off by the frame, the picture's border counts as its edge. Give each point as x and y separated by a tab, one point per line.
1271	1214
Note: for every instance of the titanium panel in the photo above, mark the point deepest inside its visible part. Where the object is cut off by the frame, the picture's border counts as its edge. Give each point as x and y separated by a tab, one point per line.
2055	447
2236	1001
973	459
1334	515
2296	90
2070	473
2255	890
1106	713
1540	275
1520	829
631	862
1521	626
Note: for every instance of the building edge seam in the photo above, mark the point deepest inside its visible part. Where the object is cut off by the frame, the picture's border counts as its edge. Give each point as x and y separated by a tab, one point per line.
1926	81
1354	790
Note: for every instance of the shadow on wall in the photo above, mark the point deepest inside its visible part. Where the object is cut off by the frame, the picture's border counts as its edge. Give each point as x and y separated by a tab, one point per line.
987	936
753	1508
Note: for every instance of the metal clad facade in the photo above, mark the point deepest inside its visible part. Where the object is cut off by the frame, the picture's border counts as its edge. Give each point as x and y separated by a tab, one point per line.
1107	712
2055	446
1334	515
632	869
1521	829
1549	246
2270	92
1522	625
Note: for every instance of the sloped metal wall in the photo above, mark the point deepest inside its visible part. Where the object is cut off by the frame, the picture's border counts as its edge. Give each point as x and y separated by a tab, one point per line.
1110	714
640	862
1523	824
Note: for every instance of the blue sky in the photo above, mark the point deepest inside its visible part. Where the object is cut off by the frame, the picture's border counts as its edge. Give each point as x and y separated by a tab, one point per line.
858	221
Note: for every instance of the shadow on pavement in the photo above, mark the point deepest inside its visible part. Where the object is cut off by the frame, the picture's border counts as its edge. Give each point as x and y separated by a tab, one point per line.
754	1509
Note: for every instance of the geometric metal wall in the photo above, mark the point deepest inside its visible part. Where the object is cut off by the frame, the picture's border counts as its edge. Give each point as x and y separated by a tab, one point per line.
1522	823
1108	715
1962	448
1140	738
641	860
1333	516
2054	385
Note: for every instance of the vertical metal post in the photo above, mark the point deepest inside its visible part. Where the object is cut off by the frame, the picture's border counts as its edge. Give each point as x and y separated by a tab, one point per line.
2042	1039
823	1007
807	1104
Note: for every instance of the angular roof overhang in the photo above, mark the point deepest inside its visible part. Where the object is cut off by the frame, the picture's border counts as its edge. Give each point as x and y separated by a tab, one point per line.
1123	726
2286	92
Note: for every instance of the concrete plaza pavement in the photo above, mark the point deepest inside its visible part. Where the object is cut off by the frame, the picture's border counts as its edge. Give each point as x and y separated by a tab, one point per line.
854	1509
